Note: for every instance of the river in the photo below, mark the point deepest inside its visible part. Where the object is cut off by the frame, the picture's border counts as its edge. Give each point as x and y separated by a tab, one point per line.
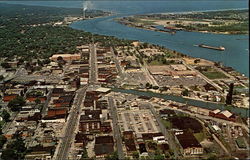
236	54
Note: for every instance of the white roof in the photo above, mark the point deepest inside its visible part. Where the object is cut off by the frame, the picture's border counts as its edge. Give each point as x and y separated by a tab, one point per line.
216	111
216	127
102	89
227	113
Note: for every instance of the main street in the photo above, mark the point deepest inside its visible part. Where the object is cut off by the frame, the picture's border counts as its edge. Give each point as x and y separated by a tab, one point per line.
93	65
117	133
65	142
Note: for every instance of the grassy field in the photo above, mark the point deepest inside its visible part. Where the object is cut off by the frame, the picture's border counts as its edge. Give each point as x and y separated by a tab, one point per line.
200	136
214	75
167	123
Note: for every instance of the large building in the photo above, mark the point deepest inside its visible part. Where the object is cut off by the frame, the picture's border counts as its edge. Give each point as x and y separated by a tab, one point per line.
66	57
189	144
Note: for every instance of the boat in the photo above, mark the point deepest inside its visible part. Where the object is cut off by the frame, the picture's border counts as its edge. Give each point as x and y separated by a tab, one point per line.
220	48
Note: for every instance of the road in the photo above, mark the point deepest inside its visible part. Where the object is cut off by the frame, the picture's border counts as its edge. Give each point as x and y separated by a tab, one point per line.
221	145
117	133
65	142
167	134
144	68
117	63
93	65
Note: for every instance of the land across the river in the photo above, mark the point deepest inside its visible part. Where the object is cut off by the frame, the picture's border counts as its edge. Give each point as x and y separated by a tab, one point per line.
221	22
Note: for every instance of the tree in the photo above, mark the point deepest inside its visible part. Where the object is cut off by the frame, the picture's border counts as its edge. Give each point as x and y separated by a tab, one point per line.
5	65
9	154
148	85
84	154
3	140
37	101
135	155
113	156
159	157
17	103
155	87
18	146
197	60
1	77
185	92
5	115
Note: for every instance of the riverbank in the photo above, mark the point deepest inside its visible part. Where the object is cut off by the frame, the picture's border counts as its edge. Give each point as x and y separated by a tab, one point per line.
217	22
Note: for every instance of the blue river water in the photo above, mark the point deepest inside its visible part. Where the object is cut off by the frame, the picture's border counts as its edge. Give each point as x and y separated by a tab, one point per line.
236	54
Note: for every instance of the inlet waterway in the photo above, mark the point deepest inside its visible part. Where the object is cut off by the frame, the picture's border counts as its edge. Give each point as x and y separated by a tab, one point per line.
236	54
208	105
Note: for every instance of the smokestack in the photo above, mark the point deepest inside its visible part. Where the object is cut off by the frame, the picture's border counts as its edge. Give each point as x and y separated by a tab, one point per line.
229	97
84	16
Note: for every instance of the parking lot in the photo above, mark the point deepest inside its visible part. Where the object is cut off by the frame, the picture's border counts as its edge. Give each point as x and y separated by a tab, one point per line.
140	121
185	81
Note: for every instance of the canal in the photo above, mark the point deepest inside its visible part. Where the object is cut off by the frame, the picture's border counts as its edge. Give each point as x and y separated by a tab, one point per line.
209	105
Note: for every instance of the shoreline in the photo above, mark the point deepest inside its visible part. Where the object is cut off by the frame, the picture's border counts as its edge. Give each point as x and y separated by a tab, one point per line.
186	23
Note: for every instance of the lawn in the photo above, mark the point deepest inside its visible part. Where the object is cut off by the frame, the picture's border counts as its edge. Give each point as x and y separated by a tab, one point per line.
167	124
199	136
155	62
214	75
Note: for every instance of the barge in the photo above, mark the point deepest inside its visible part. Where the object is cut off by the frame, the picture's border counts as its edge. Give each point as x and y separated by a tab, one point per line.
220	48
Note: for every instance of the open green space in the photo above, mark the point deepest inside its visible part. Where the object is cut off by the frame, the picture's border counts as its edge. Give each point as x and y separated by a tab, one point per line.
214	75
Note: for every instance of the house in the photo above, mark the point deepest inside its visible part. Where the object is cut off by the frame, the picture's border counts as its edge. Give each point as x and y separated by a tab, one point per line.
189	144
104	145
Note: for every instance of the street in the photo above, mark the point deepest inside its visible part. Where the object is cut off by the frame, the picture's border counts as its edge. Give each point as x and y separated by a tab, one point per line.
65	143
117	63
93	65
117	133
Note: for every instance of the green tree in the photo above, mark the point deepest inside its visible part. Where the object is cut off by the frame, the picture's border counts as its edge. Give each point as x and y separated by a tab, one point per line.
5	115
16	147
37	101
1	77
17	103
85	154
155	87
135	155
9	154
3	140
113	156
185	92
5	65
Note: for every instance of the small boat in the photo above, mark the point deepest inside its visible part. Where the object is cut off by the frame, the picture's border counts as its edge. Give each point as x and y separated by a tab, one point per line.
220	48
